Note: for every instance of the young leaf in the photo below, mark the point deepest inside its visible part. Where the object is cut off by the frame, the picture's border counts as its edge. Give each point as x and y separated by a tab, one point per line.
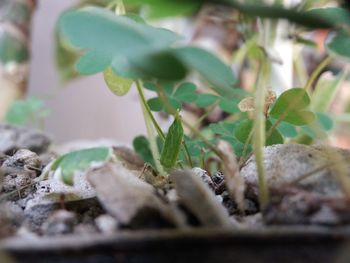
165	8
210	68
186	92
244	129
172	144
338	43
22	112
287	130
68	164
155	104
132	49
338	16
291	106
325	91
204	100
141	146
118	85
325	121
229	105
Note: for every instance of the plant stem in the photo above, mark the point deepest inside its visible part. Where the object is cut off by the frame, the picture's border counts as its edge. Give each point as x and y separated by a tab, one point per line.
148	110
317	72
259	133
150	131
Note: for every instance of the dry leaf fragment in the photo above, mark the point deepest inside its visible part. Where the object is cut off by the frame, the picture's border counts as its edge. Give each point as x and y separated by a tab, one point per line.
234	182
200	200
248	104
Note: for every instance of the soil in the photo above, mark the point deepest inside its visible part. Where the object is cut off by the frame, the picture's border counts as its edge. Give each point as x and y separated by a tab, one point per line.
121	195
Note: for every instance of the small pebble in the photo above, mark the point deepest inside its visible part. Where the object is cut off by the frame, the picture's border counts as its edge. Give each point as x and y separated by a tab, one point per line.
106	224
22	160
204	176
60	222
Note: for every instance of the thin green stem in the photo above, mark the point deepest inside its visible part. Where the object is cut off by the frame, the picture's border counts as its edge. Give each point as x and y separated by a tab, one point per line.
148	110
206	114
259	133
324	63
150	132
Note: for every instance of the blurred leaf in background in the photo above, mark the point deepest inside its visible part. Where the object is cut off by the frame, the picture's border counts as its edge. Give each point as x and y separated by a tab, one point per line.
30	111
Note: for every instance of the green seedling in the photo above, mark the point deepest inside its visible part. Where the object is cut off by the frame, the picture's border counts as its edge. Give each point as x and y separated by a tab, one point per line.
131	53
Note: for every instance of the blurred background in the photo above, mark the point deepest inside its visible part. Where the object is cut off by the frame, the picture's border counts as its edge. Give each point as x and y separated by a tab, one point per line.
84	108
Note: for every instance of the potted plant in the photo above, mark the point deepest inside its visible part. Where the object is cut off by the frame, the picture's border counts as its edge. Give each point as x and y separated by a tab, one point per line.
279	195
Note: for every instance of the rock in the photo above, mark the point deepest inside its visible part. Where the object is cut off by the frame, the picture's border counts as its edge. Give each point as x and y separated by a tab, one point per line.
204	176
14	182
217	178
325	216
250	207
131	201
11	217
286	163
297	207
106	224
22	161
200	200
3	158
60	222
51	193
13	138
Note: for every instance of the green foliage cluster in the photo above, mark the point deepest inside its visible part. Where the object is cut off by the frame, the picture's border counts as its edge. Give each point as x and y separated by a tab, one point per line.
128	50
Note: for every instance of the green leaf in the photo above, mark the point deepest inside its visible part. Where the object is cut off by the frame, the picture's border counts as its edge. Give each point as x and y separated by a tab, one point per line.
325	121
245	127
150	86
291	107
161	65
12	49
338	43
118	85
325	91
80	160
66	58
186	92
92	62
156	9
279	12
134	50
142	148
172	144
204	100
155	104
22	112
337	15
229	105
223	128
287	130
210	68
243	130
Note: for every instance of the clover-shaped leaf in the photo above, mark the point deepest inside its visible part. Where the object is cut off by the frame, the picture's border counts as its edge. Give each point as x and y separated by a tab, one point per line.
245	128
337	43
291	106
204	100
176	95
118	85
68	164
